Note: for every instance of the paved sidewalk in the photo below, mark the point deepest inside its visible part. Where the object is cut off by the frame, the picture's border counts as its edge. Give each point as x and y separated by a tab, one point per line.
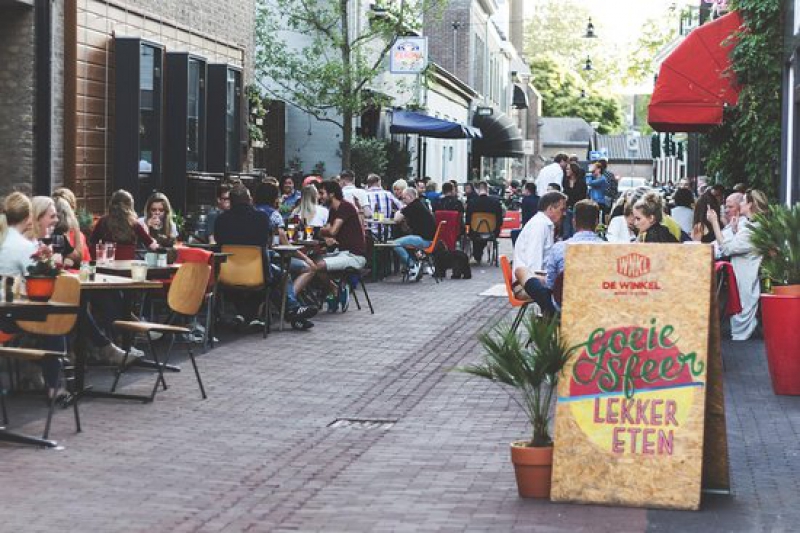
258	455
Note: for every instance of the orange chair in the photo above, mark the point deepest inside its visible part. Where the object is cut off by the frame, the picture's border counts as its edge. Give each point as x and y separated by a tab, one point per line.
427	253
505	266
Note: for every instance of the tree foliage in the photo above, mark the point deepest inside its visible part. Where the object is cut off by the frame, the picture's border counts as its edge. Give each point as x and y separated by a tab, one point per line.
309	54
656	34
746	147
561	96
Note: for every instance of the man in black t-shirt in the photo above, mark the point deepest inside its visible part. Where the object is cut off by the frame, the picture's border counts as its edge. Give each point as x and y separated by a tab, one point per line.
421	226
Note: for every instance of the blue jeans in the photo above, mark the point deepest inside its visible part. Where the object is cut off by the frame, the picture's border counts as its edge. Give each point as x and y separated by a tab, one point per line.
541	294
409	240
567	227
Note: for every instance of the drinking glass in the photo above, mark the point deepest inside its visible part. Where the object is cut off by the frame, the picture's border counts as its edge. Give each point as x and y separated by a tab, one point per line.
138	270
100	253
309	231
290	231
111	252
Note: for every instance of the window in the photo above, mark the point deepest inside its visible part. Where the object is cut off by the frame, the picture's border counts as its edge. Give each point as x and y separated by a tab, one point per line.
149	92
194	102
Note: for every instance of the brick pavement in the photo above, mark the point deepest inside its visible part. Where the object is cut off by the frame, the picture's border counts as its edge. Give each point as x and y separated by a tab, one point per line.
258	455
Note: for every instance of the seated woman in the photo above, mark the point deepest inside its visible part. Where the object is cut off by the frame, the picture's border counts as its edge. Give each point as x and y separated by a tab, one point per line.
65	197
43	230
745	261
702	229
648	213
121	226
159	220
309	211
16	220
619	227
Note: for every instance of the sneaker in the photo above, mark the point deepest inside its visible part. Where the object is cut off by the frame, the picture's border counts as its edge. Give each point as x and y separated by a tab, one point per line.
302	324
256	324
302	312
238	322
116	355
428	269
344	295
136	352
414	272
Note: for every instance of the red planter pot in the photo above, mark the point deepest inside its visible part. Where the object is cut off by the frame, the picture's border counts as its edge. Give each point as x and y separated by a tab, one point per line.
40	289
781	316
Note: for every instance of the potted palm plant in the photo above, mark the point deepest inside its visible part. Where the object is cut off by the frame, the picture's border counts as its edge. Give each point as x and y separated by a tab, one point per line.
528	368
776	236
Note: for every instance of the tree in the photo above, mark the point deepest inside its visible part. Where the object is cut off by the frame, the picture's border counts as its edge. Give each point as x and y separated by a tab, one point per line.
555	30
656	34
746	147
561	96
309	54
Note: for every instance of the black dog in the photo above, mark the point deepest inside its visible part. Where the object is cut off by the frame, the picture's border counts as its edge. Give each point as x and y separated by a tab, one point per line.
458	261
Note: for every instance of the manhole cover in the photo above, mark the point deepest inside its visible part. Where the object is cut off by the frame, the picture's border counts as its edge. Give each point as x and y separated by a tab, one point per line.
362	423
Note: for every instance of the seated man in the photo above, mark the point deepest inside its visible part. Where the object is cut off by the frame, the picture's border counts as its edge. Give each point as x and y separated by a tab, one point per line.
449	201
243	224
343	231
421	228
586	216
533	246
483	204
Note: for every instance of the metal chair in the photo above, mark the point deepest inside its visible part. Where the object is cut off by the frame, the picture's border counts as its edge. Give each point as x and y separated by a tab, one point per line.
505	266
247	270
67	291
483	226
185	298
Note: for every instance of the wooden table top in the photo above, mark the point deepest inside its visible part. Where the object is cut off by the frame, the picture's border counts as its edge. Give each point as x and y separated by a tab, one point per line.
108	281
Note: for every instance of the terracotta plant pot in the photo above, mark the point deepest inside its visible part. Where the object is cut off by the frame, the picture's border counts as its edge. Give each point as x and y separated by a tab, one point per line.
786	290
533	468
781	315
40	289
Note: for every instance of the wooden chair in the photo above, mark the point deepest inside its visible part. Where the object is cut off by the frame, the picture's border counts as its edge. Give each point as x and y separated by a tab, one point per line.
427	253
245	271
185	298
67	291
522	303
482	226
198	255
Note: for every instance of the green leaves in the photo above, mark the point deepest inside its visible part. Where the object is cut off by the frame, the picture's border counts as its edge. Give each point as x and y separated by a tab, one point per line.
746	147
530	367
776	236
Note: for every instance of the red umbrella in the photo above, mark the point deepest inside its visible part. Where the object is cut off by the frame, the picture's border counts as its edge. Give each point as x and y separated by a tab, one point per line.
694	84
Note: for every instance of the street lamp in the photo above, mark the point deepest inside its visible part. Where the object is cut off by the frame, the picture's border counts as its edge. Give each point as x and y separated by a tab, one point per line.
583	93
588	65
590	31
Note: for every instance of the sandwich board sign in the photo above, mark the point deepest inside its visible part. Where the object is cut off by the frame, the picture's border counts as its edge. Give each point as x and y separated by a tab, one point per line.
631	417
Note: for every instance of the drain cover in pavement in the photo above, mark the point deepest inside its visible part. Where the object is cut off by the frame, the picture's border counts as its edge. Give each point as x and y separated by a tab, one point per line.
362	423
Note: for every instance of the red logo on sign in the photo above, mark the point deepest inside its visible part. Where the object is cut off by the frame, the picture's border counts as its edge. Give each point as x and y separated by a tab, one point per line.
633	265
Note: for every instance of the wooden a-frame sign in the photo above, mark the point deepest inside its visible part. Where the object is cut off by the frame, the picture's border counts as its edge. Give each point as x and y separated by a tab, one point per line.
640	419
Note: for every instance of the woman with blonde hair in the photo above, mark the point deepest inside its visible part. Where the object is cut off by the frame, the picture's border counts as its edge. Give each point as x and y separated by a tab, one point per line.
122	227
648	215
745	261
45	229
68	223
310	212
15	221
159	219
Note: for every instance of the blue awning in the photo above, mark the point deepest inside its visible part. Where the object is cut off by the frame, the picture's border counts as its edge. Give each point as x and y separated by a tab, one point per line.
410	122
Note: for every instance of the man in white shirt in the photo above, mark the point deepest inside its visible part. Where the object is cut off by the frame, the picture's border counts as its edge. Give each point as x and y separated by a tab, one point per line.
552	173
533	245
354	195
731	209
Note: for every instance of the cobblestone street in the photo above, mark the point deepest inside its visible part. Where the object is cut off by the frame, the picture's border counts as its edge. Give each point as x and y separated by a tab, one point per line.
258	455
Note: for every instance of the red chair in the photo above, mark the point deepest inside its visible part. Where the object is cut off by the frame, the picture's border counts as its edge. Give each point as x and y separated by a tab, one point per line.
452	228
511	221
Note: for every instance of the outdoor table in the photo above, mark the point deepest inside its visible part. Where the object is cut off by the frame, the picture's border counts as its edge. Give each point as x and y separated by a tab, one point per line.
384	244
285	253
24	309
123	268
106	282
384	228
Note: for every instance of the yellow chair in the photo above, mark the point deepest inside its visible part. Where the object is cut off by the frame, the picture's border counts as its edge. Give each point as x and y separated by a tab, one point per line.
185	298
67	291
244	271
483	226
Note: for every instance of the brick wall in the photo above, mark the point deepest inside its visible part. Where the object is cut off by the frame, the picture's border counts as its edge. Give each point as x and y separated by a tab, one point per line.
16	99
220	30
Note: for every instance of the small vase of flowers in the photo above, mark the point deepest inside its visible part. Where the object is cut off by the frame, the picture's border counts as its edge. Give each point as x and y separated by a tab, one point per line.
42	272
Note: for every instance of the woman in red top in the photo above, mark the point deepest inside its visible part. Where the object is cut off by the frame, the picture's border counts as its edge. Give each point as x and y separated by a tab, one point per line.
122	227
67	207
